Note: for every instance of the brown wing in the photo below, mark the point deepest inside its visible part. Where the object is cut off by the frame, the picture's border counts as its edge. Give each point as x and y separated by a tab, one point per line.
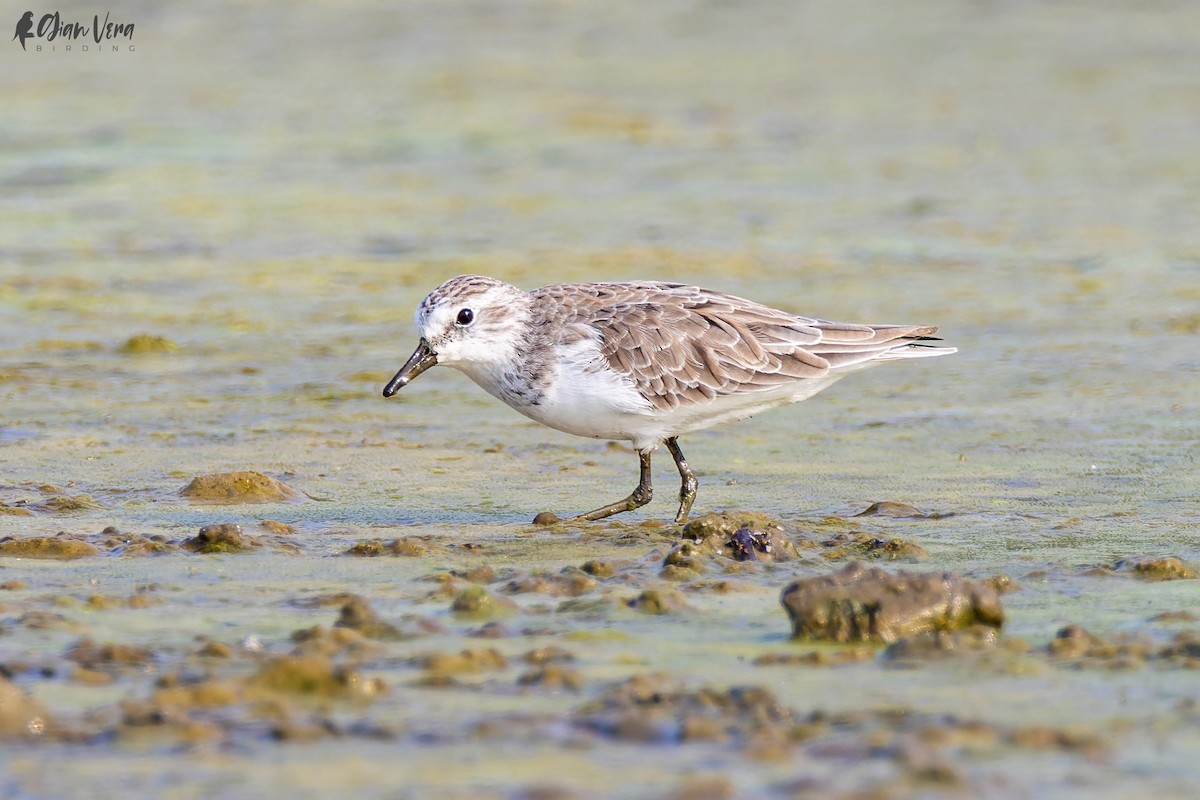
683	345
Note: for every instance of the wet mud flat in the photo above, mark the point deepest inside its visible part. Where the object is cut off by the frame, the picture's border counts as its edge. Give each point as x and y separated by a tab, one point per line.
738	655
229	568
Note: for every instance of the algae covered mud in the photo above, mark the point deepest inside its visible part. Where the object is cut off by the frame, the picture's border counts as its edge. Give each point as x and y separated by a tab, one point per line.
210	249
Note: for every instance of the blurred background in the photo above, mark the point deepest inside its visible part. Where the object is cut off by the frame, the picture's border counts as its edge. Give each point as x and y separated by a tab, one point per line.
271	188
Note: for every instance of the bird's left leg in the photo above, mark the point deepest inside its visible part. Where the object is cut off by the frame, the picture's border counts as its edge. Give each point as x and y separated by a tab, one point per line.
687	492
638	498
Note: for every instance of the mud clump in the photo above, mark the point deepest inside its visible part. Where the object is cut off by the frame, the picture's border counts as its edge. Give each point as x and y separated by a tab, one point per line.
736	535
313	676
143	343
475	602
599	569
467	661
817	658
570	582
863	545
939	644
1165	568
56	547
659	602
887	508
226	537
238	487
21	717
860	604
405	546
554	677
727	523
357	615
16	511
67	504
652	708
108	657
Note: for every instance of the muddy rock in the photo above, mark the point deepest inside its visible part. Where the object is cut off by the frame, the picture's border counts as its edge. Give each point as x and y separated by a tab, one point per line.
67	504
276	527
238	487
570	582
553	677
1164	568
1183	651
405	546
599	570
138	545
313	676
90	655
859	603
659	601
740	536
475	602
888	508
551	654
467	661
55	547
938	644
1076	645
143	343
818	658
198	694
225	537
215	649
15	510
322	641
864	545
357	615
21	717
653	708
712	787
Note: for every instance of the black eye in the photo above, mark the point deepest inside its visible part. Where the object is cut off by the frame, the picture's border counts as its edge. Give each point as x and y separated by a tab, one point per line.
466	317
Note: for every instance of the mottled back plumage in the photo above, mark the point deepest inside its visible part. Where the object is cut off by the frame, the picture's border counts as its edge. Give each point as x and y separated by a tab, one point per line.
683	345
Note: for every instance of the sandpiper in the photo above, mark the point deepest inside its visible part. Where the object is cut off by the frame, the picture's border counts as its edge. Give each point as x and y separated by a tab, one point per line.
644	362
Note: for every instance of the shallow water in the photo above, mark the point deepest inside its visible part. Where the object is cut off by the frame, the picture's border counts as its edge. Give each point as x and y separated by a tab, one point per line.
273	189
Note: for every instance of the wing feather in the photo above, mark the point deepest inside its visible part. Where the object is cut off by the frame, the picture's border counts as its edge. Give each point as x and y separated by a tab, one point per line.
682	345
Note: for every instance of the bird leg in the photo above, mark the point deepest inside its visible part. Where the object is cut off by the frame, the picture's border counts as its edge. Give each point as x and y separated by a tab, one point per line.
640	496
687	492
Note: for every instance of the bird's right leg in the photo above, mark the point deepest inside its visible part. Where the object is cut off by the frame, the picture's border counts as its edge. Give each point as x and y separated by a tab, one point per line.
640	496
687	492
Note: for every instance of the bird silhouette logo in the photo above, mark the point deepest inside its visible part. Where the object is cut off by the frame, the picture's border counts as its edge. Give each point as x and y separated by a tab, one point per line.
24	26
